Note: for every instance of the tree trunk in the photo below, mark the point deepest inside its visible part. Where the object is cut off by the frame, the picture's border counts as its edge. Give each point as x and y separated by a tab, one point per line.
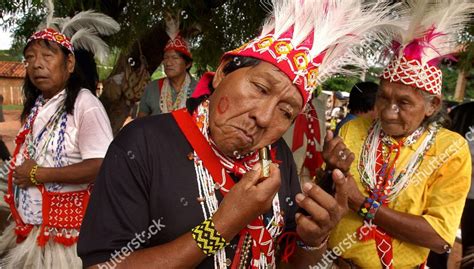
460	86
126	84
123	88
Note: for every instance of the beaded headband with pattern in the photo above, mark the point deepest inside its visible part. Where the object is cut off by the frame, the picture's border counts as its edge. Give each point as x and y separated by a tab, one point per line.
312	40
431	35
81	31
54	36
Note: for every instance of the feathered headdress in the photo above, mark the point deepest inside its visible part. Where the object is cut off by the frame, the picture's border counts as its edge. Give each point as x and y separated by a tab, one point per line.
176	42
431	35
81	31
312	40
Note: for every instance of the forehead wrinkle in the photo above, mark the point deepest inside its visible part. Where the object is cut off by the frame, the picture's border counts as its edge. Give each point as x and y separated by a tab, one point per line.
277	79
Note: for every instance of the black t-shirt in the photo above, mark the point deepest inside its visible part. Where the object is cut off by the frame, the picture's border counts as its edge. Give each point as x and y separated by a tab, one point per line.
146	193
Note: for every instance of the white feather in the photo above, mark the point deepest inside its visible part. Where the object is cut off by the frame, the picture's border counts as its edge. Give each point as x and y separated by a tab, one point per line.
50	8
87	39
449	18
268	25
103	24
344	26
172	25
284	17
304	21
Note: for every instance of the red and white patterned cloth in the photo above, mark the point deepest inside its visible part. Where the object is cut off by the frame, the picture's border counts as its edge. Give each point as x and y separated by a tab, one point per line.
178	44
54	36
295	62
413	73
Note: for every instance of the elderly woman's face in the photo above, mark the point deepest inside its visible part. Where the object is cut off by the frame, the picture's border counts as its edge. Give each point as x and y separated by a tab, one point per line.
252	107
47	67
401	108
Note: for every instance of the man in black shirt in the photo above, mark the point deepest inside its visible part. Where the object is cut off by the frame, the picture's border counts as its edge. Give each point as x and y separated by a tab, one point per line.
185	190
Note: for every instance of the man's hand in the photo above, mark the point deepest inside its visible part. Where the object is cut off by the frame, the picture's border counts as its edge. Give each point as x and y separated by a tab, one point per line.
324	210
21	174
249	198
336	154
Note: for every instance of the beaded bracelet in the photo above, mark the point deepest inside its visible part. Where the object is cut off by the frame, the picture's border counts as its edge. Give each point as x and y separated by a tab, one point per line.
303	246
208	239
33	175
369	208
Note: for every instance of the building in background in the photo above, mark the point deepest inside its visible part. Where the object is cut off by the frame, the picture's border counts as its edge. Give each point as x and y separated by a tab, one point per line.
12	75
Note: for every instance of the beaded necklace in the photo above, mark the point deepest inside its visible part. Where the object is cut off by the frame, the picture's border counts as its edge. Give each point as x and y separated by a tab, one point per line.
166	100
207	187
52	133
377	175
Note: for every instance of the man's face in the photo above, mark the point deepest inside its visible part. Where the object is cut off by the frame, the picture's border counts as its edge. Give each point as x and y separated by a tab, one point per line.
47	67
251	107
401	108
174	64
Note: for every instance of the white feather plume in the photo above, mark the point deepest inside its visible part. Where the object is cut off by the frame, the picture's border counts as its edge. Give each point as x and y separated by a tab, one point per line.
103	24
304	22
345	27
448	18
172	25
88	39
338	28
50	8
84	30
284	16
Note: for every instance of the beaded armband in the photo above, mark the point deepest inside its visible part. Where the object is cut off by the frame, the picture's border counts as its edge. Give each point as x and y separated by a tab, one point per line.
208	238
369	208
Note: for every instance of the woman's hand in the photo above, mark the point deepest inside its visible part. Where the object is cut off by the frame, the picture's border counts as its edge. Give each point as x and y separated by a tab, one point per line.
21	174
336	154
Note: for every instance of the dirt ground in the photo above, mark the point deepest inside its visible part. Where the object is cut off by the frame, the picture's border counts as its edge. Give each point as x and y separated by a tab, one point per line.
10	127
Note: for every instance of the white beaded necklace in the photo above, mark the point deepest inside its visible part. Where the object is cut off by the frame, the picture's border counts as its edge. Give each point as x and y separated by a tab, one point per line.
370	154
207	196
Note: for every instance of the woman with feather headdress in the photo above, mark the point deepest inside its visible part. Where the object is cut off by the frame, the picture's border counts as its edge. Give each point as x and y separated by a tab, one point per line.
411	174
186	190
59	148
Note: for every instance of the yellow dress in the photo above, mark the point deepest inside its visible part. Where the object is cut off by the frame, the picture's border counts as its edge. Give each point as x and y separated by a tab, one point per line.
437	192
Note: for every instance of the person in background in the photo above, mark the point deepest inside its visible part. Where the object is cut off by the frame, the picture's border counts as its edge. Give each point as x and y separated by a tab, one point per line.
412	175
64	136
361	103
170	93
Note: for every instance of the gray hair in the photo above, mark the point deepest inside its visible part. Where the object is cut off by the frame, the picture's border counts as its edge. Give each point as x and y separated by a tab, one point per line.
440	116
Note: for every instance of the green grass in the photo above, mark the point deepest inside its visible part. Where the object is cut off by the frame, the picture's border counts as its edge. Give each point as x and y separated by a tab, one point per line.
12	107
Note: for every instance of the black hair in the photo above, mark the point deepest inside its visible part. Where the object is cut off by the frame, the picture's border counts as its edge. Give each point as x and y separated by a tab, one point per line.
85	61
362	97
441	116
73	86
